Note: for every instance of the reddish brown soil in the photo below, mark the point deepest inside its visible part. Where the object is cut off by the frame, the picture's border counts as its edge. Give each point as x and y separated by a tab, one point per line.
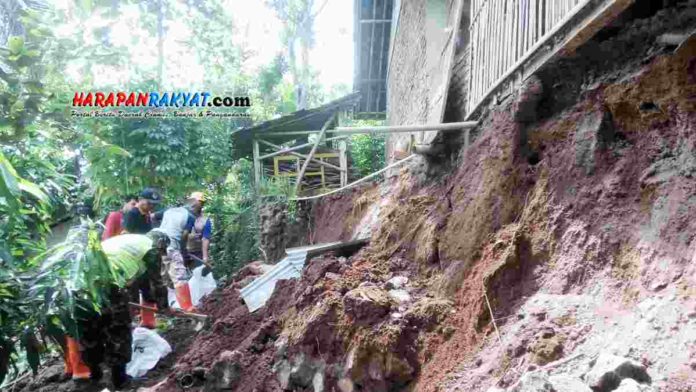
335	216
615	204
497	225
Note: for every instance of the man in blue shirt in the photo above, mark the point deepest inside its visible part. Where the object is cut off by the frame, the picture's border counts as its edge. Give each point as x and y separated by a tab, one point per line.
202	232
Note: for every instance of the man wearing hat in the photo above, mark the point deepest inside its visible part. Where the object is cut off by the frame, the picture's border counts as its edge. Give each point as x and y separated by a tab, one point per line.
202	231
137	219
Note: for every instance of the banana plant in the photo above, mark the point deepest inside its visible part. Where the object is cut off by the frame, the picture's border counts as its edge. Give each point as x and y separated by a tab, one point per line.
14	310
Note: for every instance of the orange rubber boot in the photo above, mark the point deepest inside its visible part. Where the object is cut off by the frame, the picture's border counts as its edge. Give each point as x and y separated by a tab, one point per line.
66	359
147	317
183	296
80	371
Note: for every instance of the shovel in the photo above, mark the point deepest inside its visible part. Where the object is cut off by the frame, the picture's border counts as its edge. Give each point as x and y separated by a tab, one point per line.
171	312
207	268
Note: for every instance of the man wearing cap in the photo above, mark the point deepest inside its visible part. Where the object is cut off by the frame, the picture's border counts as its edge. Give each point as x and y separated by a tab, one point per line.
137	219
202	231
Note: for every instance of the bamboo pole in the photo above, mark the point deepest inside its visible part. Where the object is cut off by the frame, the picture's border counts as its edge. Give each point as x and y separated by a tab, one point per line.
311	152
410	128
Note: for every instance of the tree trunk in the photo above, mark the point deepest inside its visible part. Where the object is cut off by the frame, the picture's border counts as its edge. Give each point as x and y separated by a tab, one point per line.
160	43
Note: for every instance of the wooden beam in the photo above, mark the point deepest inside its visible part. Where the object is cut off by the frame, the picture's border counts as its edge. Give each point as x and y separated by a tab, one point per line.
257	163
343	162
301	155
311	153
284	150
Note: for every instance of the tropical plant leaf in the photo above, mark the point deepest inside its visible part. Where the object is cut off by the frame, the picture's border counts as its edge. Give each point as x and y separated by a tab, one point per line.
9	186
15	44
33	190
32	347
6	350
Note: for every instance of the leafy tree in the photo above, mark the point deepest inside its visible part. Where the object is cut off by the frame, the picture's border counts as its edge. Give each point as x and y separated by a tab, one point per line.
367	151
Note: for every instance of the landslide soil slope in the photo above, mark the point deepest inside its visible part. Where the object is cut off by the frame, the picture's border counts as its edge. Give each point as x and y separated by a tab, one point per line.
575	233
586	248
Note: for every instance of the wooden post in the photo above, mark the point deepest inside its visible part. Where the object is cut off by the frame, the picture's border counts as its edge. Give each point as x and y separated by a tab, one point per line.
257	164
311	153
343	162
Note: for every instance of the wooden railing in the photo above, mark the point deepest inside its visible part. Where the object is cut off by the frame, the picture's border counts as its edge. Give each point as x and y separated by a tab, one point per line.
504	33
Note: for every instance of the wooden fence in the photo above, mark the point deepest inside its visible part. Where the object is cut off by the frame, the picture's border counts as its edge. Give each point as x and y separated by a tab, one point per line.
504	33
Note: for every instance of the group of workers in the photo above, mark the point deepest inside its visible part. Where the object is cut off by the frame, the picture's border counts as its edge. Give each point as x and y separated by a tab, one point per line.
148	260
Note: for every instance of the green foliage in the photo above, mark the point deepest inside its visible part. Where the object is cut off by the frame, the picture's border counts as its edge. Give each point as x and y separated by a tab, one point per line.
233	207
73	277
50	161
367	151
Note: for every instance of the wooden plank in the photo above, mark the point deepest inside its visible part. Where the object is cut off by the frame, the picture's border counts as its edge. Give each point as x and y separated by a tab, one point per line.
312	151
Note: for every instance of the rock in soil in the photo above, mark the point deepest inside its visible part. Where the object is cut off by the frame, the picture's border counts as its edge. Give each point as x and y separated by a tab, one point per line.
609	370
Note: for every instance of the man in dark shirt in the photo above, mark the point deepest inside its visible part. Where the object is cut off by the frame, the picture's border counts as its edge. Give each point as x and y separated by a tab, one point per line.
137	220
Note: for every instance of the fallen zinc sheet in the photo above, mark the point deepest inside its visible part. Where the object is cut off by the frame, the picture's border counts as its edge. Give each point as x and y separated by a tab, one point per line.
256	293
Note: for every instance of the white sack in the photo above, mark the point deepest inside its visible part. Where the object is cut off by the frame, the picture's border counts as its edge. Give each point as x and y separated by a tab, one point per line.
148	348
200	285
